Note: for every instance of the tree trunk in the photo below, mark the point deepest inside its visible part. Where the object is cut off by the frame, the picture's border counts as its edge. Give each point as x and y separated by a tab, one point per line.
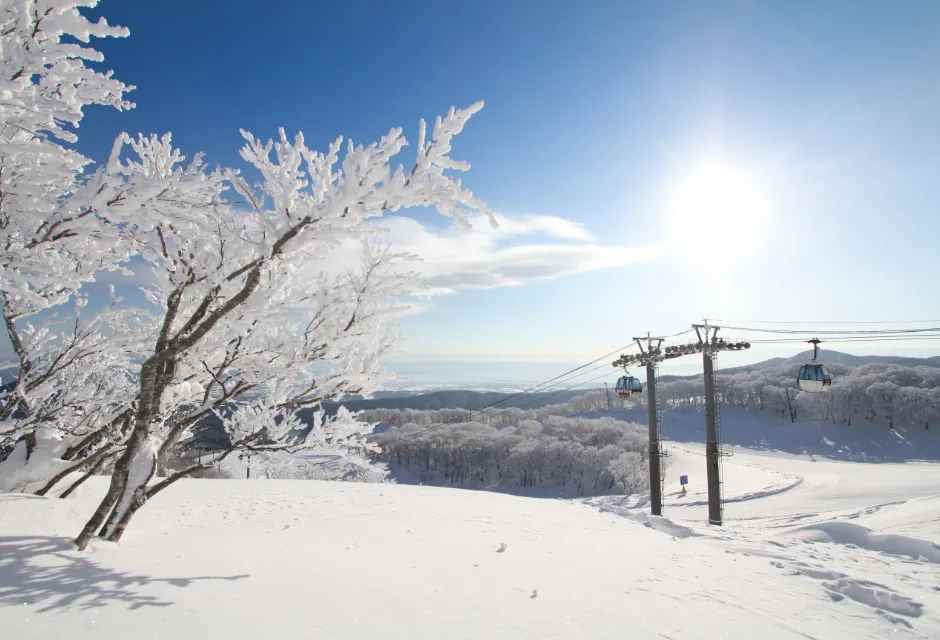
124	418
120	523
30	439
17	397
97	518
120	495
131	500
113	531
118	486
89	461
95	469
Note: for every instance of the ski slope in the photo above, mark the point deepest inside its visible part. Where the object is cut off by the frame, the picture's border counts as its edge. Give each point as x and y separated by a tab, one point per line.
812	547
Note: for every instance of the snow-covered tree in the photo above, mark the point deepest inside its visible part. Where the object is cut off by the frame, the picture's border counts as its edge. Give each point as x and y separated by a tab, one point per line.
52	235
884	392
251	300
629	470
57	231
67	412
247	295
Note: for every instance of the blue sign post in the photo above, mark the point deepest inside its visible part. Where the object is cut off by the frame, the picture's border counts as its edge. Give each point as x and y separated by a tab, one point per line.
683	480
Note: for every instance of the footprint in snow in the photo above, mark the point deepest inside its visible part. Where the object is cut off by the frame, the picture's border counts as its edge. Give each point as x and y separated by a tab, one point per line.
502	547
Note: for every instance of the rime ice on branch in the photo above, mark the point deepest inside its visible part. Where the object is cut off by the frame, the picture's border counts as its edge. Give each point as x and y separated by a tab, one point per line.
249	304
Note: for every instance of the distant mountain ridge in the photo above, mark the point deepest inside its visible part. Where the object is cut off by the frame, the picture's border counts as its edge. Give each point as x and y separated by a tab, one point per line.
827	356
458	399
473	400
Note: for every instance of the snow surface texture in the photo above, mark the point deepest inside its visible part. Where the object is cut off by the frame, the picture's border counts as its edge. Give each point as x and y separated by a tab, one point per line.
859	442
811	548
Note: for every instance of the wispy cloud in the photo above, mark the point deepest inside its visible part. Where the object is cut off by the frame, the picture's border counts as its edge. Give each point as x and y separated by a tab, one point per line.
483	258
531	224
521	249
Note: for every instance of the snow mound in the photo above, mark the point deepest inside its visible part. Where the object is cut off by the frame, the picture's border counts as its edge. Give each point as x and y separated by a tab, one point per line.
874	595
839	586
657	523
817	573
665	525
850	534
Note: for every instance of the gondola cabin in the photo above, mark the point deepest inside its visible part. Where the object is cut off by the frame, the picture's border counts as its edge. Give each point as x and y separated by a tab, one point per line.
629	387
813	378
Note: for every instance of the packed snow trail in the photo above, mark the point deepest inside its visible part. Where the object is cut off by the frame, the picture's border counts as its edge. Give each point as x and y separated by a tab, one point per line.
249	559
811	548
866	533
761	486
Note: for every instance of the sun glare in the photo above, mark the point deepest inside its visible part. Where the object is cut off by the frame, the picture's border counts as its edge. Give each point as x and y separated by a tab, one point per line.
714	213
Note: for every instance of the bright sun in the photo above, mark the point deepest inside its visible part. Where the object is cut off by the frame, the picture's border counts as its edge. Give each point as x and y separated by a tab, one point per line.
714	212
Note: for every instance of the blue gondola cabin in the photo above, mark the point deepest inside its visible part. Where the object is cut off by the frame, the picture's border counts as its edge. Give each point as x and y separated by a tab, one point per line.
629	387
813	378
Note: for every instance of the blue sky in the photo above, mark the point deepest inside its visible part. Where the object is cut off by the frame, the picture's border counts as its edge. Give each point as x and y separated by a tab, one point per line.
598	113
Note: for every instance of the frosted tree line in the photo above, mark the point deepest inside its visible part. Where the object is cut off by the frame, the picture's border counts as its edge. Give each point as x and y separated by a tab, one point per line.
519	447
587	456
239	302
875	393
496	416
881	393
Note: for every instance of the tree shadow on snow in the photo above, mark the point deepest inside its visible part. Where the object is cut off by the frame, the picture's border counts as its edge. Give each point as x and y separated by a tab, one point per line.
50	572
762	431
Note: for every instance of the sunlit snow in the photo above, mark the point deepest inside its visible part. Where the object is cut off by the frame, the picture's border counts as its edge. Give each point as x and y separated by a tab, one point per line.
812	547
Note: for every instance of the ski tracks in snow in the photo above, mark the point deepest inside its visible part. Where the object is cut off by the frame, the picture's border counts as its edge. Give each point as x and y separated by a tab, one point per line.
895	577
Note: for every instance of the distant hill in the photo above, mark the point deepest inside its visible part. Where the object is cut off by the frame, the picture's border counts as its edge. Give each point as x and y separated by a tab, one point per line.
466	399
211	435
459	398
827	356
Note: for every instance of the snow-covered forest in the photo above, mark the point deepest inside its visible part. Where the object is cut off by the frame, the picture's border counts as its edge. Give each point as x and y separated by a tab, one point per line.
879	393
589	456
524	448
875	393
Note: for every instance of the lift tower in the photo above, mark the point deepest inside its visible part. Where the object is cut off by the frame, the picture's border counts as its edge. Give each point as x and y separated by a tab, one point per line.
710	344
652	352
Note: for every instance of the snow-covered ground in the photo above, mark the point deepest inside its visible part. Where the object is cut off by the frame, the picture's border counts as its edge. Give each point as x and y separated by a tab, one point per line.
812	547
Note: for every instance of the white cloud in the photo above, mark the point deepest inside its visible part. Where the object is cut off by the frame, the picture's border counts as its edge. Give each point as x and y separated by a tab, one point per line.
484	258
530	224
521	249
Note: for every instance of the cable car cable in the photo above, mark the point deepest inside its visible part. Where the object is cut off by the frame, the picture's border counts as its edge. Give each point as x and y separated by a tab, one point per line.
846	322
871	332
515	395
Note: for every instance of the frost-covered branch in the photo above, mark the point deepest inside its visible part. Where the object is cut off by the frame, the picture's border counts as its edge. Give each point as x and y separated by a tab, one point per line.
261	280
